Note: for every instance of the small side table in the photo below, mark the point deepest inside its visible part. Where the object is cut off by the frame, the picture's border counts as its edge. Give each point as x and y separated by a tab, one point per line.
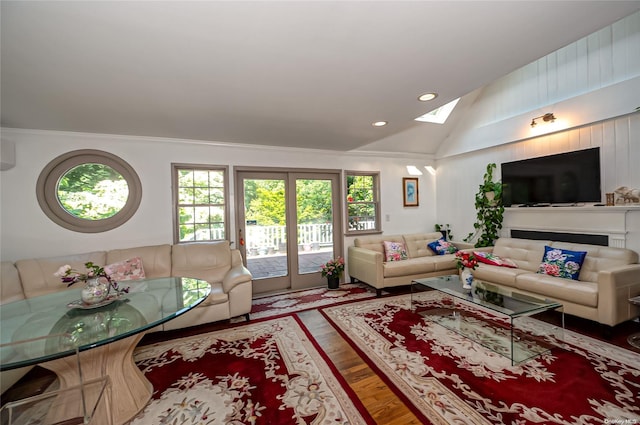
634	339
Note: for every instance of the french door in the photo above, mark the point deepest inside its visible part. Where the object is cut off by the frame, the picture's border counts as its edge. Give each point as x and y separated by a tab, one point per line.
288	225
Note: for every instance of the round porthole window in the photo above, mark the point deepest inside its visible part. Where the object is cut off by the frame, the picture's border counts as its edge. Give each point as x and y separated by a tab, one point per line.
89	191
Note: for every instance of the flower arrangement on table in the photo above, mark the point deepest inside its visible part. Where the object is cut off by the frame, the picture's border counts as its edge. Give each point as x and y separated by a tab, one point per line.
94	271
466	260
333	268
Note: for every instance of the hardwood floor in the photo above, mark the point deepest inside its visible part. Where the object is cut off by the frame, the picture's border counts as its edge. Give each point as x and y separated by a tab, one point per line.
383	405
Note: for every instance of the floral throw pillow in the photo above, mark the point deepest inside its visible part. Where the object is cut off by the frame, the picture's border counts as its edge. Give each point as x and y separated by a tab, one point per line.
130	269
494	260
394	251
441	247
562	262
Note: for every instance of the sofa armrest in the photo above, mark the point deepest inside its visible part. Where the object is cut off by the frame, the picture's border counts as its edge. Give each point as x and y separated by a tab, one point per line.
615	287
235	276
463	245
366	266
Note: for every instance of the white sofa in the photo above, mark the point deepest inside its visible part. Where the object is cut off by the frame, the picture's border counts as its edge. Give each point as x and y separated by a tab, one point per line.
215	262
366	260
608	278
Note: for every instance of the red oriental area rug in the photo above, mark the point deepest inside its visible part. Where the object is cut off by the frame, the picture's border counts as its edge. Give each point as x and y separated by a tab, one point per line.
307	299
448	379
269	372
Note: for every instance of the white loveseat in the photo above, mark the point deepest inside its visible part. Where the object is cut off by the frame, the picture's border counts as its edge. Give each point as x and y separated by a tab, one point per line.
366	260
215	262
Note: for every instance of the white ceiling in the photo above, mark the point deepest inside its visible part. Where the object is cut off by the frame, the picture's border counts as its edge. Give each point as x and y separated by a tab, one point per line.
296	73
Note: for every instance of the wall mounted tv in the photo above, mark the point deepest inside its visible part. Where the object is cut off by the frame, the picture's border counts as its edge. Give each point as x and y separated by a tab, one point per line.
569	178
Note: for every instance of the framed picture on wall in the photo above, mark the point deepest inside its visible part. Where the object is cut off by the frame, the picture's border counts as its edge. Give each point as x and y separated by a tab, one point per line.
410	191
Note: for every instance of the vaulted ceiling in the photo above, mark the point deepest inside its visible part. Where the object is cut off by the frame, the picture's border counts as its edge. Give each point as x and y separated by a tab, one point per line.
311	74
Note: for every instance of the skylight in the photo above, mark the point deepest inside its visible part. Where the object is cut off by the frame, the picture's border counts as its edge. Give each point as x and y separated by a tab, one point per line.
439	115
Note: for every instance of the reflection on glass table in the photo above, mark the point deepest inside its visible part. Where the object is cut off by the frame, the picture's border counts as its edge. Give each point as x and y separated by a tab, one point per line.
508	310
106	336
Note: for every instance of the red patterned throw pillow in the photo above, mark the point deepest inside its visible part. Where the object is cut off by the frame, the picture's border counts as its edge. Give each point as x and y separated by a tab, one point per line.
494	260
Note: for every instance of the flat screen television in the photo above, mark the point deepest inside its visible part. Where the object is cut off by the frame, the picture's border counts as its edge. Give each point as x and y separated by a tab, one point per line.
566	178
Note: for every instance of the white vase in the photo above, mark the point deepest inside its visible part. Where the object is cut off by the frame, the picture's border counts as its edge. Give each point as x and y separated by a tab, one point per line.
467	278
95	290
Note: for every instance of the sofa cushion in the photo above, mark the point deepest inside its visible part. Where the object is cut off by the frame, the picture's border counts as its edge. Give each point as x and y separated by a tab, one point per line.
394	251
416	244
10	287
562	262
37	274
444	262
524	252
496	274
408	267
599	258
209	261
131	269
156	259
375	243
442	247
557	288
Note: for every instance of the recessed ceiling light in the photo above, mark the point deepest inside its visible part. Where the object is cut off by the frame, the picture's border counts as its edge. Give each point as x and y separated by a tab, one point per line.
427	97
379	124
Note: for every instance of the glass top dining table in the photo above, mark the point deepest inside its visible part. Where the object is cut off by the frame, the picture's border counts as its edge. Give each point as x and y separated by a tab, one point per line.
149	303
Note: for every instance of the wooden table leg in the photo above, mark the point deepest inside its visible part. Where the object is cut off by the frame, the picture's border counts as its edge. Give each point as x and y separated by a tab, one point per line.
130	390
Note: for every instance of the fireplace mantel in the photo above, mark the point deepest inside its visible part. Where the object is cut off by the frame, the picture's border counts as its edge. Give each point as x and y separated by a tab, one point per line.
619	223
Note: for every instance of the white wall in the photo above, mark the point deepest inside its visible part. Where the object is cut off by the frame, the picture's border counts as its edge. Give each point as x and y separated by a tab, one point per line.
593	87
27	233
459	176
595	78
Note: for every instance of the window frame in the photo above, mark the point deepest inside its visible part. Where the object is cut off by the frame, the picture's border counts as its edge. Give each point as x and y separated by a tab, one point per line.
175	167
376	201
47	194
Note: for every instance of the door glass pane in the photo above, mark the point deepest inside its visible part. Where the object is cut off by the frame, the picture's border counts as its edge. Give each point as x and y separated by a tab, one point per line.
315	224
266	227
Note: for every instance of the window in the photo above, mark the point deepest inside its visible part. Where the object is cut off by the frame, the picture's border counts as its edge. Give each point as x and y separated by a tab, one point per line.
363	204
200	199
89	191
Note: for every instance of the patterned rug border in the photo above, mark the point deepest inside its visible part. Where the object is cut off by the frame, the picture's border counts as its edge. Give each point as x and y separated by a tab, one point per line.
570	337
328	363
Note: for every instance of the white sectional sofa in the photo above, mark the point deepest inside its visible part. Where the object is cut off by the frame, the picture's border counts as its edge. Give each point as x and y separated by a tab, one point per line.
215	262
608	278
366	260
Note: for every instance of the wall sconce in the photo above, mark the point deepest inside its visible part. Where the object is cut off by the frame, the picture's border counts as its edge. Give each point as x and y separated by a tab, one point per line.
548	117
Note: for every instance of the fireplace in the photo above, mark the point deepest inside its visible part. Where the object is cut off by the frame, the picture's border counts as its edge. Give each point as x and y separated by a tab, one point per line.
617	226
602	240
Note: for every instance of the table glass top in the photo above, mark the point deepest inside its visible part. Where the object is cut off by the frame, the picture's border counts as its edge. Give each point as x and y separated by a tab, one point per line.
149	303
493	297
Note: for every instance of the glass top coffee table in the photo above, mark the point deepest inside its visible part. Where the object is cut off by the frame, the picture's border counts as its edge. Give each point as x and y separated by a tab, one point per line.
489	315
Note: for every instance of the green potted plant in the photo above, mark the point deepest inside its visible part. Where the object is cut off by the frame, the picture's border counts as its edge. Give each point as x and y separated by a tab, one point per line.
445	229
489	211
